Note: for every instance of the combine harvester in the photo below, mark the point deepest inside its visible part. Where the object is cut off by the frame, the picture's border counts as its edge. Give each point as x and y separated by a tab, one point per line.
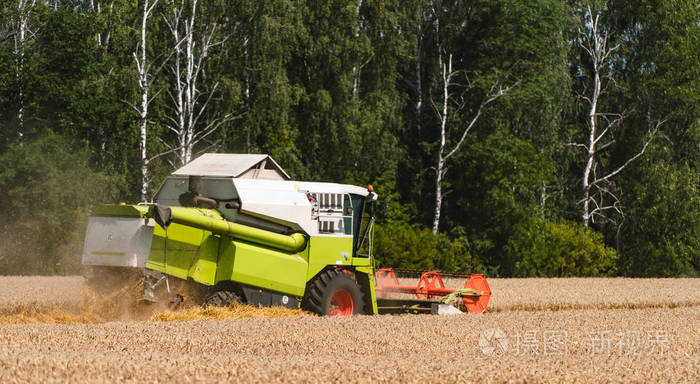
237	229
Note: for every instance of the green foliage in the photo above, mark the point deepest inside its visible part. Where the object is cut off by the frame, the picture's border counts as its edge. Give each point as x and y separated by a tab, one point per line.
47	186
664	223
345	92
564	249
499	190
415	247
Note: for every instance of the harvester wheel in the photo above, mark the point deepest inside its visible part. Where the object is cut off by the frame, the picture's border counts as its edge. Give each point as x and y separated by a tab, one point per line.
334	293
222	299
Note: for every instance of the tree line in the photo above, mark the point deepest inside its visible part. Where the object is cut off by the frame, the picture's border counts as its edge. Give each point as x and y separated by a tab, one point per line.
513	137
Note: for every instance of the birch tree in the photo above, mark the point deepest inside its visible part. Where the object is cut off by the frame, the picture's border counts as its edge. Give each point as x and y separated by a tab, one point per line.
103	38
146	76
21	35
450	96
418	81
599	195
357	67
192	44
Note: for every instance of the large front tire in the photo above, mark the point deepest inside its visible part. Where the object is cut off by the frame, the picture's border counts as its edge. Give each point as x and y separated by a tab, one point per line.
334	292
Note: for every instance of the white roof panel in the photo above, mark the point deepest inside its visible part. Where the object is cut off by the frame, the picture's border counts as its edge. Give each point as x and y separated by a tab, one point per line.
224	165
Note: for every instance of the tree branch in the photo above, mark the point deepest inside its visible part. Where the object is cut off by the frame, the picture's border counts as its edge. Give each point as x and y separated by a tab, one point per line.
494	96
633	158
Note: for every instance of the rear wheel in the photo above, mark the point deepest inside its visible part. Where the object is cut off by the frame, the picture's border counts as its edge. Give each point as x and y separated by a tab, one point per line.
222	299
334	293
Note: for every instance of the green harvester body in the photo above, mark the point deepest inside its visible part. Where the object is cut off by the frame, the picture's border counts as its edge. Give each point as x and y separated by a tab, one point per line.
263	241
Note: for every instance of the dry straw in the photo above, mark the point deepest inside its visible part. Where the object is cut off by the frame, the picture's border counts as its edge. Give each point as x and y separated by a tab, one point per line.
66	300
235	311
245	344
363	349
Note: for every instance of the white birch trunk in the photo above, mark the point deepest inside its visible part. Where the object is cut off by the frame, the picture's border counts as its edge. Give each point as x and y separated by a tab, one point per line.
143	122
24	9
246	91
357	76
96	7
440	168
496	91
97	10
592	133
179	95
190	83
190	52
418	79
108	36
594	41
178	85
355	81
145	85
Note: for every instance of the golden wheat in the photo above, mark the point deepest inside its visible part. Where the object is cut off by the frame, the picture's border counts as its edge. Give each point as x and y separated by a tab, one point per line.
66	300
405	348
74	302
535	294
235	311
592	293
40	293
247	344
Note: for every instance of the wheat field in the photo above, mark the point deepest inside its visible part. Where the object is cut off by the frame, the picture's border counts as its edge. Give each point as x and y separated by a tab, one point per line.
536	330
40	293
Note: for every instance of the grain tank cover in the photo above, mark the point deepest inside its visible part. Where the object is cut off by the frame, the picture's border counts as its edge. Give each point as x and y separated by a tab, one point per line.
238	165
288	202
276	201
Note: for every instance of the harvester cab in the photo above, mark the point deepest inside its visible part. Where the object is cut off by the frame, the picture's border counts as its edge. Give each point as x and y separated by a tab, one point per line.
245	233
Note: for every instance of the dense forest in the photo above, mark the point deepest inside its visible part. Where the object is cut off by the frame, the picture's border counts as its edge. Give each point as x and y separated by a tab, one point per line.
514	137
